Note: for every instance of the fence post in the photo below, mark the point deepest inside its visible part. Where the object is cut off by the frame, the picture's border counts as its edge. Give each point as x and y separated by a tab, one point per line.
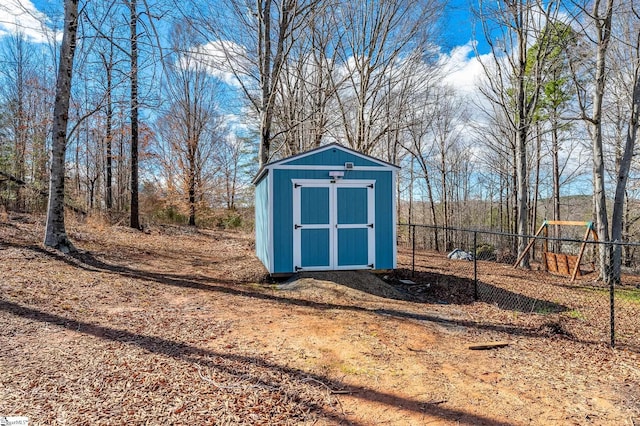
612	293
413	250
475	265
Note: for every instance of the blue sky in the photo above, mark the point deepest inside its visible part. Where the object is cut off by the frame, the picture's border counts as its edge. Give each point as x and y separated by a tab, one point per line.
456	42
457	26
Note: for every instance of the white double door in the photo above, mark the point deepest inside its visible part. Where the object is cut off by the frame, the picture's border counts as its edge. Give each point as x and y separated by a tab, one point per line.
334	224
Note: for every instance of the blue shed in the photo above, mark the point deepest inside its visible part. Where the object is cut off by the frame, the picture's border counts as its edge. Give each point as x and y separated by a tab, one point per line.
329	208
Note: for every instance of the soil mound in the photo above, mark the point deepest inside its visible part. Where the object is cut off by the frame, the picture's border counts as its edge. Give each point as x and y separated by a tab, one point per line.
358	285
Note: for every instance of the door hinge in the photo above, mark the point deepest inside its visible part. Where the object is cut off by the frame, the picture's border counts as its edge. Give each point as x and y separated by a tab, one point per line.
370	265
370	186
370	225
296	226
297	268
296	185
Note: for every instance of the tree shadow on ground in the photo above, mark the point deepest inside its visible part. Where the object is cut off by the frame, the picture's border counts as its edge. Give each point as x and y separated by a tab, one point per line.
432	287
88	262
508	300
210	359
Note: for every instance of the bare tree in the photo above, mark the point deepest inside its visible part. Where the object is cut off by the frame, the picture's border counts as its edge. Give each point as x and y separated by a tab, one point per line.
377	39
26	99
515	81
448	115
108	62
590	99
255	49
191	124
55	232
301	114
628	53
134	221
228	158
419	143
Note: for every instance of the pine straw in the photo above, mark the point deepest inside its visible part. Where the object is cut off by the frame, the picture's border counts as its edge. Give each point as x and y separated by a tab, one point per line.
88	341
172	326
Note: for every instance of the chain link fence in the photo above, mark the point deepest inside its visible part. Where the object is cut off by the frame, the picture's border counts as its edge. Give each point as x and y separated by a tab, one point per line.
561	290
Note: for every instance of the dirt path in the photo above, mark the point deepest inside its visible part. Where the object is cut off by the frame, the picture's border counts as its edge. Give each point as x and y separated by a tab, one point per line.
175	327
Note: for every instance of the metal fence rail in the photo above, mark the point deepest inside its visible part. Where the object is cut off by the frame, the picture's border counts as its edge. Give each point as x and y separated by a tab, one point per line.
586	308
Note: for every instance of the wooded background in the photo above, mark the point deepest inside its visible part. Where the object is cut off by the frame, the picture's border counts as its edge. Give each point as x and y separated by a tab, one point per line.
178	104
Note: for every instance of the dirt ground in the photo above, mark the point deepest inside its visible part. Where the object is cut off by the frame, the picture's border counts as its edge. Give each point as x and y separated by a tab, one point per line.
180	326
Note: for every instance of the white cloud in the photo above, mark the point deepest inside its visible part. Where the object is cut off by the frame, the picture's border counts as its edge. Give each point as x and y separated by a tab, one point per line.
462	70
21	16
225	60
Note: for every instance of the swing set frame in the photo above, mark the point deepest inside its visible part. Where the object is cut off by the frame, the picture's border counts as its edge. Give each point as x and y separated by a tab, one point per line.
559	262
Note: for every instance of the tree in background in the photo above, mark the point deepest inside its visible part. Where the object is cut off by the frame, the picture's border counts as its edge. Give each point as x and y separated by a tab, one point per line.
627	59
191	126
515	82
377	40
254	49
26	98
590	100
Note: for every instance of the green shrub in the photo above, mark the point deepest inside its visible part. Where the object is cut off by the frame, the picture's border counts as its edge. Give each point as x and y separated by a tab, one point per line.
170	214
231	220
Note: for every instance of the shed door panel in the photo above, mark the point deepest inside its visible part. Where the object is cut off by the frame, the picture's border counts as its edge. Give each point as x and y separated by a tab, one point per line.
313	236
354	227
352	247
352	206
316	248
314	206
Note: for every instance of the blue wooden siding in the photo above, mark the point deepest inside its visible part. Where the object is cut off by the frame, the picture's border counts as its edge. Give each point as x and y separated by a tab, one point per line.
330	157
262	220
384	220
283	213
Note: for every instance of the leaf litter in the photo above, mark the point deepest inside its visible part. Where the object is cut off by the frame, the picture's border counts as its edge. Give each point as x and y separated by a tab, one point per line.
182	326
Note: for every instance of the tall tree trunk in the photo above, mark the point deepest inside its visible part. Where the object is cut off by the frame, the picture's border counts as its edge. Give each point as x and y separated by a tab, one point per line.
192	199
445	195
108	136
21	122
264	58
617	220
556	180
121	172
55	232
434	216
603	29
133	25
411	180
522	130
536	187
